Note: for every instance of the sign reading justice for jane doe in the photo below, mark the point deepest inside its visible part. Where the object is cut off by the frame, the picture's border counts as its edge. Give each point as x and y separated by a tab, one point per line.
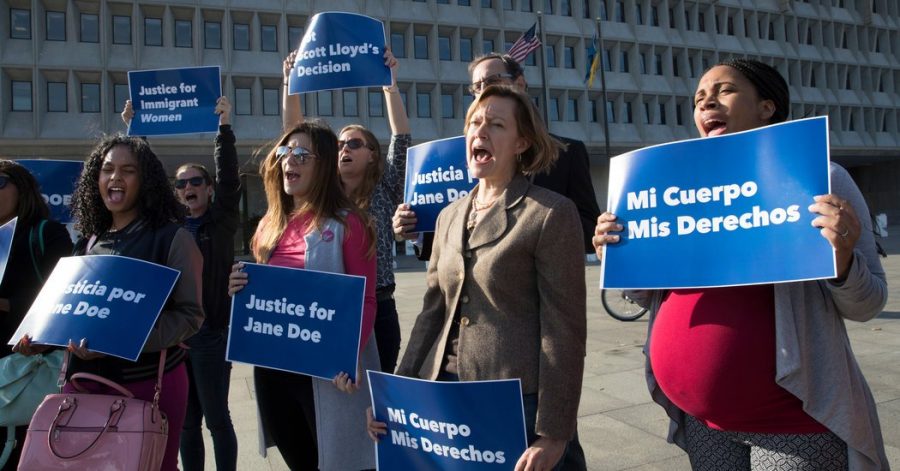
88	298
174	101
296	320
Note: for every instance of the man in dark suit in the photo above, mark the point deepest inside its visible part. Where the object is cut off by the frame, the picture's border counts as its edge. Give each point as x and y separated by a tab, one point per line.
570	177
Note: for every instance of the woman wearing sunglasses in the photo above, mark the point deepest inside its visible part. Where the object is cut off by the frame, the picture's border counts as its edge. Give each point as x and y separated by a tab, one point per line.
375	185
213	219
37	245
311	224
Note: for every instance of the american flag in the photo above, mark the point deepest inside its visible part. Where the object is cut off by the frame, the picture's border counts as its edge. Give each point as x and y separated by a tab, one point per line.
525	44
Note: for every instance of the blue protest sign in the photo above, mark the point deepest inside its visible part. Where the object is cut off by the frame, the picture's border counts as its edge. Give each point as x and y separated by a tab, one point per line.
57	179
436	175
340	50
721	211
431	425
7	232
174	101
88	298
297	320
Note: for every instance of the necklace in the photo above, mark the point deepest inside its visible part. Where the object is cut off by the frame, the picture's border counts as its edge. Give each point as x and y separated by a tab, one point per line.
476	208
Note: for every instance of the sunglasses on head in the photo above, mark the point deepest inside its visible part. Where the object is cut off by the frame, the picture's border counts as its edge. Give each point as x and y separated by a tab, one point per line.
4	179
298	154
353	144
182	183
479	86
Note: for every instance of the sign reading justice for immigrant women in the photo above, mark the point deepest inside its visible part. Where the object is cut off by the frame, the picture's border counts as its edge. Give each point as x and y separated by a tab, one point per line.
721	211
302	321
174	101
435	425
436	175
88	298
340	50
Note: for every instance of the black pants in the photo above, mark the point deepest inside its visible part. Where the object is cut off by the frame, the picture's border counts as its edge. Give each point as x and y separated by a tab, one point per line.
288	413
387	334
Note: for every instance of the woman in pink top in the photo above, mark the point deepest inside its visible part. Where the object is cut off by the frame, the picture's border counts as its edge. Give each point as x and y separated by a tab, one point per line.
311	224
762	377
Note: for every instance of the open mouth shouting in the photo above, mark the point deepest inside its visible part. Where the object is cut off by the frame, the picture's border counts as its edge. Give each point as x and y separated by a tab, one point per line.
190	197
291	176
714	127
481	155
115	194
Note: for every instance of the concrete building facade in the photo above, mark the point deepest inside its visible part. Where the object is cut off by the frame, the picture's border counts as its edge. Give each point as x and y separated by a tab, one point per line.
64	64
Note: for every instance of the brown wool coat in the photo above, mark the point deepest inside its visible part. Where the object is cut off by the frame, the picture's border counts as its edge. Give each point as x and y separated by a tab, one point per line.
520	289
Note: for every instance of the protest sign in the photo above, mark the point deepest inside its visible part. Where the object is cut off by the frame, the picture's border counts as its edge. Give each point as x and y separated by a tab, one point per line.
7	232
340	50
57	179
721	211
174	101
297	320
431	425
436	175
88	298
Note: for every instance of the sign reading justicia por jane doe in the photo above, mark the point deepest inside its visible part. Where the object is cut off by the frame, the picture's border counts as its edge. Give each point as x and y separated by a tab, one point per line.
174	101
721	211
436	175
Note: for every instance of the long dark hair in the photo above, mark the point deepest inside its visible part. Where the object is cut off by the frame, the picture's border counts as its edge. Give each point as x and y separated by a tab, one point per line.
156	201
31	206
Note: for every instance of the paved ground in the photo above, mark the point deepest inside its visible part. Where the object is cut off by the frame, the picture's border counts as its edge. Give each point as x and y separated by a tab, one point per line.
620	427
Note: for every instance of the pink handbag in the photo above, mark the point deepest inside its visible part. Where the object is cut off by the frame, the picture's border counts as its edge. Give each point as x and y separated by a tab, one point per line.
86	431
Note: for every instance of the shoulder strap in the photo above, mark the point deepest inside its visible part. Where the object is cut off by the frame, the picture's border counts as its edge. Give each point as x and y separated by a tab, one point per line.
39	241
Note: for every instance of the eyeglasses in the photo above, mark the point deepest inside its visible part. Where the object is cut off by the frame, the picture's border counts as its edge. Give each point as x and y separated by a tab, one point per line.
182	183
3	181
299	155
353	144
477	87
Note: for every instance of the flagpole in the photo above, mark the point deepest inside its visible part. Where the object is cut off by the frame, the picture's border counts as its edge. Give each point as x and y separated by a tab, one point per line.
545	92
602	51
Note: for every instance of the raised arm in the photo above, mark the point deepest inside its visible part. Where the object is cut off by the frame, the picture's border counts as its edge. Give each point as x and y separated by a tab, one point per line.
397	116
228	180
291	111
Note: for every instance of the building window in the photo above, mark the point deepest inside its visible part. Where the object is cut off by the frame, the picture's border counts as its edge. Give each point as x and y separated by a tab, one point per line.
423	105
569	57
19	24
120	94
661	115
627	115
638	14
550	55
607	62
241	36
525	5
610	111
604	14
646	113
57	100
565	8
56	26
642	62
730	26
487	4
548	7
487	46
325	103
121	26
554	108
675	71
623	62
242	101
212	35
593	107
464	3
657	59
268	38
679	118
90	28
465	49
701	22
443	2
654	15
398	44
447	106
376	104
21	95
572	110
672	18
351	108
420	46
444	48
184	33
295	35
620	11
90	97
152	31
271	101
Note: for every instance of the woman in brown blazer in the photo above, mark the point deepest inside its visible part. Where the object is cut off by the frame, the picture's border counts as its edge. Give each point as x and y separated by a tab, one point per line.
506	290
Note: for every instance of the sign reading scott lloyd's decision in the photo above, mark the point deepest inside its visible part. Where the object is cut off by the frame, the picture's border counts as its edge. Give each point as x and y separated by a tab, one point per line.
88	298
436	175
721	211
174	101
432	425
57	179
297	320
340	50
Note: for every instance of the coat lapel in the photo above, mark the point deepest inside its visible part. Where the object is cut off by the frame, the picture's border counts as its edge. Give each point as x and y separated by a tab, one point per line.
494	222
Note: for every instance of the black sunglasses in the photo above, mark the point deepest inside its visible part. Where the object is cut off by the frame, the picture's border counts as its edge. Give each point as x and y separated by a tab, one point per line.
477	87
299	154
182	183
353	144
4	179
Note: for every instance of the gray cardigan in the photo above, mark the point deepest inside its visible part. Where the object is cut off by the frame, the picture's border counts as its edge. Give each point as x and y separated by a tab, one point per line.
813	357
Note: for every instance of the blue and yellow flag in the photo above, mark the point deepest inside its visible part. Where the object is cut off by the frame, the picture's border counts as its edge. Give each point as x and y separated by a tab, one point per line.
593	56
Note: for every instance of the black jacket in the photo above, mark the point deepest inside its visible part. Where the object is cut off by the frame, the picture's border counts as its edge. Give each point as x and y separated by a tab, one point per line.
215	236
20	283
570	177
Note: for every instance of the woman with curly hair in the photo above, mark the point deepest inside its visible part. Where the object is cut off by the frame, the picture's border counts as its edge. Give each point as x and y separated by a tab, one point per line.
125	206
311	224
